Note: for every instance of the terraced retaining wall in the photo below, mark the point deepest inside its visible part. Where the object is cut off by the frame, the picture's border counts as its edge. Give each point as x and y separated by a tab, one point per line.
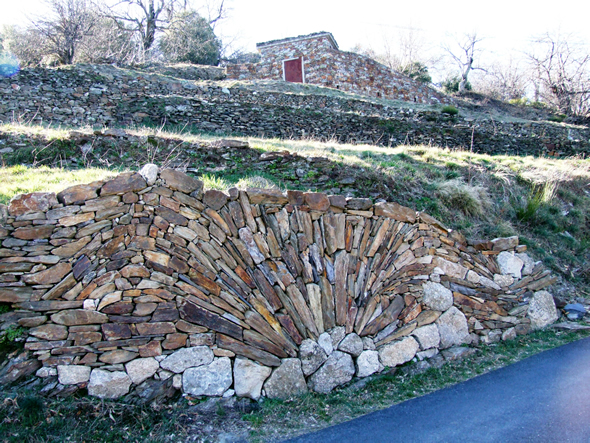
145	280
102	96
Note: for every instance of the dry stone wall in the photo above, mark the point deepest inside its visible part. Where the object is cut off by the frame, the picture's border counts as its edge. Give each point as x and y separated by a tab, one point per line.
147	279
106	96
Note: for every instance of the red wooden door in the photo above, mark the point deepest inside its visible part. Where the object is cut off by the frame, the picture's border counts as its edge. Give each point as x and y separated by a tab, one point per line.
294	70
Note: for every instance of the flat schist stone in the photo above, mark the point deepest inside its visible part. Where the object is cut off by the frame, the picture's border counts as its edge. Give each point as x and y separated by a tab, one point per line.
128	182
180	181
32	202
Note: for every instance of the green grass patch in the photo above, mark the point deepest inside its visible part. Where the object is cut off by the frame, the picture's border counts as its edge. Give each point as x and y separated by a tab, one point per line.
20	179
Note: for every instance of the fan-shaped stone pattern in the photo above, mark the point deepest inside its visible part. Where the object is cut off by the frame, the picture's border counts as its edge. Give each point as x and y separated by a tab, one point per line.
115	271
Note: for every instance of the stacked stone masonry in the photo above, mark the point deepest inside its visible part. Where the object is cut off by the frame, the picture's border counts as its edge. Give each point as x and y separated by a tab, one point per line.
105	96
147	278
325	65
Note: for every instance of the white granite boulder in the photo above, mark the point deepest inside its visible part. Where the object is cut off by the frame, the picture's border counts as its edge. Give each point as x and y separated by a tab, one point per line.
367	363
510	264
141	369
427	336
312	356
453	328
287	380
249	377
211	380
106	384
437	297
73	374
399	352
352	344
542	311
337	370
185	358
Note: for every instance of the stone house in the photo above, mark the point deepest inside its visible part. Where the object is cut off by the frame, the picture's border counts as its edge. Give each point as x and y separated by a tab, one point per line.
316	59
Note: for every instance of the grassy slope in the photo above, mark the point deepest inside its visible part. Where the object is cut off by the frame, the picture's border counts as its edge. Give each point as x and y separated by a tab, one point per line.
544	201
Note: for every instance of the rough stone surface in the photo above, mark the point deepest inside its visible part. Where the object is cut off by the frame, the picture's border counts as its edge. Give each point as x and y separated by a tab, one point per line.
528	263
150	173
325	342
453	328
437	297
186	358
211	380
510	264
351	344
73	374
180	181
106	384
141	369
367	363
249	377
542	311
427	336
337	370
286	381
399	352
312	356
33	202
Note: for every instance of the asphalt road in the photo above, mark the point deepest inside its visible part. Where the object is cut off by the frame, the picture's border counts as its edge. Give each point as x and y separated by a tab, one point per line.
544	398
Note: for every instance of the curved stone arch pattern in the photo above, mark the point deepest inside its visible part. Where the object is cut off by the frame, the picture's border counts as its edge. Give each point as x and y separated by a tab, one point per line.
146	276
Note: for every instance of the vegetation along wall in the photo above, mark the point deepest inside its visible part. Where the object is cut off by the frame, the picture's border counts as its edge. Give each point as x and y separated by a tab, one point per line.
147	280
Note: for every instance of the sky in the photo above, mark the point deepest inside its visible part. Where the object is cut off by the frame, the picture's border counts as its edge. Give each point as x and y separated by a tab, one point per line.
506	26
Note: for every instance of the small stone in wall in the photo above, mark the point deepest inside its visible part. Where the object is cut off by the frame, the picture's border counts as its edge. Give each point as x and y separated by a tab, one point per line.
509	334
337	370
187	358
312	356
503	280
325	342
337	334
510	264
427	336
452	327
399	352
73	374
287	380
211	380
437	297
106	384
249	377
141	369
367	363
150	173
528	263
352	344
542	311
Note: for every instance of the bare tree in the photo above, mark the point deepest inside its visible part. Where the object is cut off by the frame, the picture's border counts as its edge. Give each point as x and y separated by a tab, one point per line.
109	44
69	24
504	81
464	52
561	66
149	17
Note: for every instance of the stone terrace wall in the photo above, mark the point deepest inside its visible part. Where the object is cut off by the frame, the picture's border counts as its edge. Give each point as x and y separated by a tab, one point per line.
145	280
326	66
107	96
